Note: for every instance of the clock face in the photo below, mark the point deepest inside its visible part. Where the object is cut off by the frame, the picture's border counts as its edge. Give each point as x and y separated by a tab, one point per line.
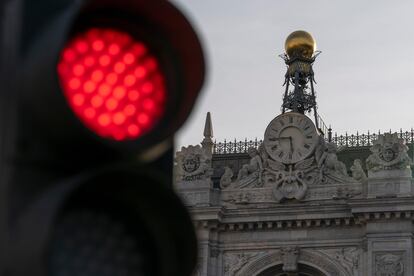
290	137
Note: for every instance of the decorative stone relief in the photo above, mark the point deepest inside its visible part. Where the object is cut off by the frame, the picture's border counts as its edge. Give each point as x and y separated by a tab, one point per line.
290	257
388	153
234	262
358	172
242	197
347	257
389	264
345	193
334	191
319	260
192	163
290	181
325	262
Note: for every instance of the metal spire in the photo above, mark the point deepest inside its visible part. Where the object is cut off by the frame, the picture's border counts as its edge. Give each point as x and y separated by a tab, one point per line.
299	57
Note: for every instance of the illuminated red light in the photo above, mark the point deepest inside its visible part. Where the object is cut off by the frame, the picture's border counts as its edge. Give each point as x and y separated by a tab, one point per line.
112	83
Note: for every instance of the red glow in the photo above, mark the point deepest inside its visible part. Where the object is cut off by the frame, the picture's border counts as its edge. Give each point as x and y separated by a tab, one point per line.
112	83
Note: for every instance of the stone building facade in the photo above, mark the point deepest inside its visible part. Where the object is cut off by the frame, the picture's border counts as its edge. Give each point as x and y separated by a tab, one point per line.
344	210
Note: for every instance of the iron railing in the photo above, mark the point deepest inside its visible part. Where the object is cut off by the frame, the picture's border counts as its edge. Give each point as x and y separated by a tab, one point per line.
323	128
353	140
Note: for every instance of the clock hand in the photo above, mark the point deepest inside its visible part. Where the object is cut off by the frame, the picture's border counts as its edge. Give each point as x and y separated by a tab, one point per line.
280	138
291	144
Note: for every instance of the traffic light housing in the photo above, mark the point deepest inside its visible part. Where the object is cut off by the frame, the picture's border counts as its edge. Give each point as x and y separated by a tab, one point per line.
156	25
103	87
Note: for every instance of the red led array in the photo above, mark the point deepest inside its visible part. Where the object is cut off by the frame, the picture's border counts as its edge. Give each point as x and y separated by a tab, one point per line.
112	83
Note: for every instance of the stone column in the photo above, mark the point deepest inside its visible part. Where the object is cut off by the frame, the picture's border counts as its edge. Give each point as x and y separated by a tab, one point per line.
209	253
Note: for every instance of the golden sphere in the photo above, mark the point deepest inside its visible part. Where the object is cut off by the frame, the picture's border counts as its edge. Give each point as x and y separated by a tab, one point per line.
300	43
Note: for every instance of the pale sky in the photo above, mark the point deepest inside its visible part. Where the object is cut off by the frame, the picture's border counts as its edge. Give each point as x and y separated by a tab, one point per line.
364	74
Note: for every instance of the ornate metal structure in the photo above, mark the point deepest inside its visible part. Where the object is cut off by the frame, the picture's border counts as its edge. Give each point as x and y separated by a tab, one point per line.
299	57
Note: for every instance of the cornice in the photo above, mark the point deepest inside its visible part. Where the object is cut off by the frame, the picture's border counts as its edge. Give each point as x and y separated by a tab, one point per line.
353	213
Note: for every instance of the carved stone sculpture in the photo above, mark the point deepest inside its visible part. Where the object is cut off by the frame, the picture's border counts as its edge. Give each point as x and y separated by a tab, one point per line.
358	172
290	256
225	179
255	165
389	265
328	162
263	155
388	153
292	180
289	181
192	163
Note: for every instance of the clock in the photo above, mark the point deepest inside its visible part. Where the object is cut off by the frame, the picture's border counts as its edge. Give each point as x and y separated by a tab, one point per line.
290	137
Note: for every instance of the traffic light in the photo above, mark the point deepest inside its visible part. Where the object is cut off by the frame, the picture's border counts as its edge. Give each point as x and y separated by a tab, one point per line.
101	89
